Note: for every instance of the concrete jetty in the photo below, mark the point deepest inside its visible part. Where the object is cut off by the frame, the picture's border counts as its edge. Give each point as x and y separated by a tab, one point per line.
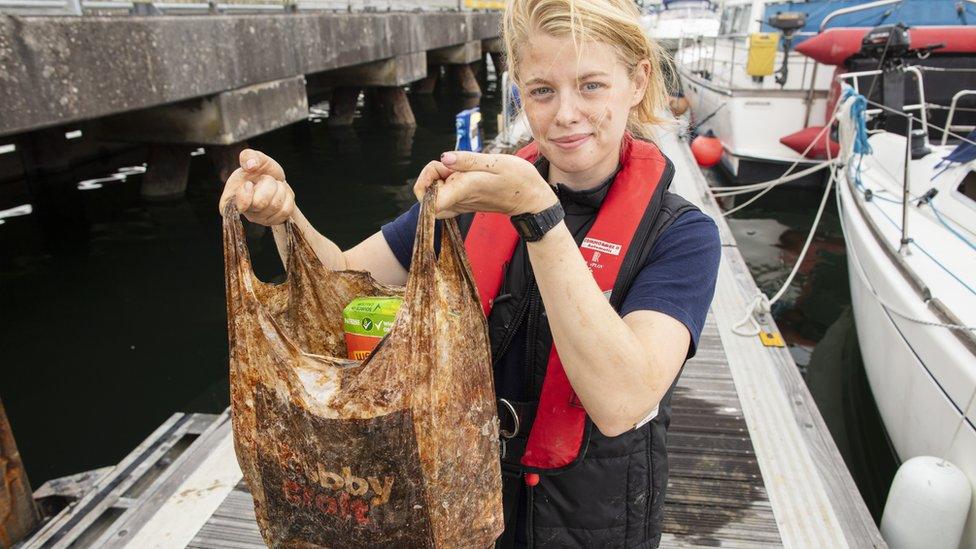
218	80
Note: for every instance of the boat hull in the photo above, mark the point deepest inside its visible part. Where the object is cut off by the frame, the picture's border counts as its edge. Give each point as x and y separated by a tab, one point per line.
749	125
908	365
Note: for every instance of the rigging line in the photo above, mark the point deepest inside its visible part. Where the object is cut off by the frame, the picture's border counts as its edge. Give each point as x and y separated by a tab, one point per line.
951	229
926	252
959	424
721	192
882	301
806	245
878	195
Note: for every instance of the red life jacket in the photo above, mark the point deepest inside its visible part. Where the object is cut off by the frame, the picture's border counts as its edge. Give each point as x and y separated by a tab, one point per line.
557	433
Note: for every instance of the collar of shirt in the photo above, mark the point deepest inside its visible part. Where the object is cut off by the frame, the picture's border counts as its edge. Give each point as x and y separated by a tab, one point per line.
575	202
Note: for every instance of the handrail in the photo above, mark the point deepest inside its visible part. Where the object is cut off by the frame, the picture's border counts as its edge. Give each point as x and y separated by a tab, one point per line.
705	58
854	9
921	100
921	106
952	107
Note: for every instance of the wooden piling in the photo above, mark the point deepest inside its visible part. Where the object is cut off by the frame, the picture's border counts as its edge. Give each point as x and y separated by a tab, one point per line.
169	168
498	61
226	158
426	85
342	108
392	106
465	80
18	514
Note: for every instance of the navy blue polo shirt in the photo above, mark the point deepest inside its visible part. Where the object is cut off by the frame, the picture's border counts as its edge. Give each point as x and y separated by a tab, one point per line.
678	278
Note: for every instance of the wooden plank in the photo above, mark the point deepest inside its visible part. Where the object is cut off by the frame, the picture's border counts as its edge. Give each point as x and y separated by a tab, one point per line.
716	496
814	498
233	525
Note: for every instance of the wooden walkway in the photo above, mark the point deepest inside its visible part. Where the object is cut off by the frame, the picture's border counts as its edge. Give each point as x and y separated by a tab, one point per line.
752	463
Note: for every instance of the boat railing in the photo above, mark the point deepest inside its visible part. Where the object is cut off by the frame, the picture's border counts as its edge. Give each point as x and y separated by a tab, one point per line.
705	62
952	112
854	9
922	106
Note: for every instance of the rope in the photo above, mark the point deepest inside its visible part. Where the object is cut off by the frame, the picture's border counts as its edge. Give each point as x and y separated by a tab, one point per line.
768	186
806	245
746	189
761	304
758	306
748	326
857	112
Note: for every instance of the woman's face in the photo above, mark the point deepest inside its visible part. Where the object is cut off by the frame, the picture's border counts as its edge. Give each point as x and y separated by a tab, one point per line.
577	102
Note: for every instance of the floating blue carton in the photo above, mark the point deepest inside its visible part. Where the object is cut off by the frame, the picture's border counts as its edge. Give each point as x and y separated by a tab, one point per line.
468	124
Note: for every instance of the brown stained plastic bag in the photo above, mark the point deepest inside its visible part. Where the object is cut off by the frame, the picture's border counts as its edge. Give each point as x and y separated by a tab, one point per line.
399	451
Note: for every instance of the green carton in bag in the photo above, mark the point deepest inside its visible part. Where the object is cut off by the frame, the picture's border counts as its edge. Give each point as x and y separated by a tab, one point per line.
366	321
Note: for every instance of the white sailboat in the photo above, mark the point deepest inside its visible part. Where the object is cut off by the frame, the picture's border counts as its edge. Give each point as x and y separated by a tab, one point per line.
910	228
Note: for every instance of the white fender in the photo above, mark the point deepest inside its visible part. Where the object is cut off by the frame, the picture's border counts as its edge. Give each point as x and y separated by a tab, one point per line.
927	505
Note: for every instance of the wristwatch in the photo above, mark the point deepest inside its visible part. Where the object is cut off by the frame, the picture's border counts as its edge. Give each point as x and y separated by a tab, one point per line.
532	227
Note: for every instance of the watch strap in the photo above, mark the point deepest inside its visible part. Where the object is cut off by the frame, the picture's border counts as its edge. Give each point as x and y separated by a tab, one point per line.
532	227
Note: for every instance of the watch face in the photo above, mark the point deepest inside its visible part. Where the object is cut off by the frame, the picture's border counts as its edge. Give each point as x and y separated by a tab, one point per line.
525	227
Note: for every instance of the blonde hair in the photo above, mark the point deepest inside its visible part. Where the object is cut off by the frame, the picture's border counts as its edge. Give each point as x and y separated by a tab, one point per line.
613	22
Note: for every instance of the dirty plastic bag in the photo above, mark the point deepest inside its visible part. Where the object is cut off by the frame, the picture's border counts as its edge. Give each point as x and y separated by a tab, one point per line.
398	451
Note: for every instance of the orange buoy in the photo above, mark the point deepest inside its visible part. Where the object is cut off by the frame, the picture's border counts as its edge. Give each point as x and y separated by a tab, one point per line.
707	150
678	105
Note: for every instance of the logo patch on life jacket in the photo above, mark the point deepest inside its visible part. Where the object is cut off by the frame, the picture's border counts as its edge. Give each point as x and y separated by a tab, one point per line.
601	246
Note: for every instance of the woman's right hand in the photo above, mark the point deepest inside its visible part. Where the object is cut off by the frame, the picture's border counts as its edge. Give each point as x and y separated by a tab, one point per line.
259	190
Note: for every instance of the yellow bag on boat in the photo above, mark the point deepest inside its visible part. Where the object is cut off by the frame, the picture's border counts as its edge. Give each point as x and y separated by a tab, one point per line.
400	450
762	53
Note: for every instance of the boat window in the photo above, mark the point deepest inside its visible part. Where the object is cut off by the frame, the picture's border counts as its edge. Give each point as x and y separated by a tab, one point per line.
728	20
968	186
742	19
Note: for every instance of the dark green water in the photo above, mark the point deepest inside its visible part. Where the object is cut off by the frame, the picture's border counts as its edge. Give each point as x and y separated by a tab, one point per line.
114	308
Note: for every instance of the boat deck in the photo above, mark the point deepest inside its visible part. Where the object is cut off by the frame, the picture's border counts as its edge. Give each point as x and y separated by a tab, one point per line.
752	463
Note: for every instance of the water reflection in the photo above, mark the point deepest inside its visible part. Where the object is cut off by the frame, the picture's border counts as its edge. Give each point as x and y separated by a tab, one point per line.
23	209
120	175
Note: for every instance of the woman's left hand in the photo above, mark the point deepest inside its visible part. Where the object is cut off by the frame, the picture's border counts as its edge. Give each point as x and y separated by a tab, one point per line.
475	182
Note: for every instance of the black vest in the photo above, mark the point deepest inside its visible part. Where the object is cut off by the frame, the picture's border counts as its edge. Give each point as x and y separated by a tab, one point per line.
614	495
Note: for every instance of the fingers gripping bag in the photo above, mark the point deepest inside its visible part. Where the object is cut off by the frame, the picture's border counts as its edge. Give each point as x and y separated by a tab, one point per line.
398	451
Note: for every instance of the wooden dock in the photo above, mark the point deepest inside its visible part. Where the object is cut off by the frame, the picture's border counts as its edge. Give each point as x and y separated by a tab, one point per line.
752	463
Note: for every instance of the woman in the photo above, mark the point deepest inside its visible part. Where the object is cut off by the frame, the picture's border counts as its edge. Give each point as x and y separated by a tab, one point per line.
603	265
